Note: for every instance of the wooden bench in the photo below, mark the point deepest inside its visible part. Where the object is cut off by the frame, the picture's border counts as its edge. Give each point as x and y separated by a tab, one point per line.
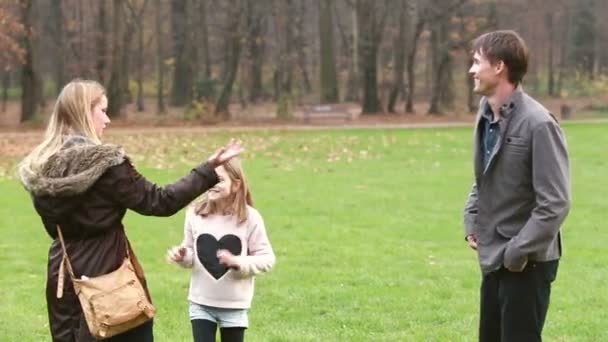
327	111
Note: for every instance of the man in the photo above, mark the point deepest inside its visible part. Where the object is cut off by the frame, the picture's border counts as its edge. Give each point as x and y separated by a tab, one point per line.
521	194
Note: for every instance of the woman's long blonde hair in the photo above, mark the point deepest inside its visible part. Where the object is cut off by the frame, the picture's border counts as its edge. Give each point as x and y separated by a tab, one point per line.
72	115
238	199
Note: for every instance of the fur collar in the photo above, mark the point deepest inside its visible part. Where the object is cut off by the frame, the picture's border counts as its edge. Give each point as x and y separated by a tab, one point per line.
73	169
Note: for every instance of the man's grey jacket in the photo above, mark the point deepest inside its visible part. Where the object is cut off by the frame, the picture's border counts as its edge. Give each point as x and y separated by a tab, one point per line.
521	198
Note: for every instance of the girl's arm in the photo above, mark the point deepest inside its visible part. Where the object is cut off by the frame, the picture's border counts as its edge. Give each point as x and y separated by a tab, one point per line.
260	257
187	244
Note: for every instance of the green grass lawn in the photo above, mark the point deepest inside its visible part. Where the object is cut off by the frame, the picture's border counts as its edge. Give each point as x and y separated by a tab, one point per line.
367	228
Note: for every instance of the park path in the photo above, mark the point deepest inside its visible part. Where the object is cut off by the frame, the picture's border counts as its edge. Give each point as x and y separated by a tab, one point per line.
29	133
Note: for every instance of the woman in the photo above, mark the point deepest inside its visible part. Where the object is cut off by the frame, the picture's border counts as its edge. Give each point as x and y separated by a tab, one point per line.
85	187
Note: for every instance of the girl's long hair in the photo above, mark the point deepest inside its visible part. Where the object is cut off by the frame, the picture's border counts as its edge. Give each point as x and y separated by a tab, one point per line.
239	199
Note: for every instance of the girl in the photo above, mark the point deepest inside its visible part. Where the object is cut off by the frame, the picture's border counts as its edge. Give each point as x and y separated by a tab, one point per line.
85	187
226	245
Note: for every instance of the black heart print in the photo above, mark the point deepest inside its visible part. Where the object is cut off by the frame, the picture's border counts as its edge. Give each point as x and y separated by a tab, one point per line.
207	247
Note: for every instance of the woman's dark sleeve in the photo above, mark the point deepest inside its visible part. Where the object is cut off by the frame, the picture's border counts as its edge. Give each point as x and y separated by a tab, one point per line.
126	186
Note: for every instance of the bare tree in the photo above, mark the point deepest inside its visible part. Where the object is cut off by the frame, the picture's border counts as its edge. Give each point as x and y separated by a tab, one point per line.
349	46
564	51
371	18
115	91
442	44
137	16
283	76
31	85
203	53
583	39
374	52
130	18
474	20
183	53
233	50
256	42
56	21
411	60
6	83
301	44
13	52
549	19
403	43
102	41
329	79
160	60
441	62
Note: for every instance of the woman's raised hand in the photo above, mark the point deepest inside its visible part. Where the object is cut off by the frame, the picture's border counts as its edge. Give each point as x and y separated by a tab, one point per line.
222	155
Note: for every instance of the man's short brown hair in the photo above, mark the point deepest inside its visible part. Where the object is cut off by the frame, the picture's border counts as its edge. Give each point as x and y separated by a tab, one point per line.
506	46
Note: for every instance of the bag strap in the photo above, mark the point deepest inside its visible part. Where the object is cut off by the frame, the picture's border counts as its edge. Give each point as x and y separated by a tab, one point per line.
65	252
133	258
139	271
130	255
64	261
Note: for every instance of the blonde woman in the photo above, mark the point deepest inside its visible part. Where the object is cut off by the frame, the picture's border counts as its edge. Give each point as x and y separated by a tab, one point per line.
86	187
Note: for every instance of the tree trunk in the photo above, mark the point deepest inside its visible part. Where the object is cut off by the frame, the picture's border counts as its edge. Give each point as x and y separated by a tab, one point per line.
563	59
434	107
492	24
349	43
30	80
284	35
583	37
81	52
300	38
233	55
6	83
138	23
115	91
59	57
181	93
370	29
289	47
399	58
492	21
140	66
256	23
204	36
441	68
447	83
550	69
435	73
101	42
435	63
242	82
352	90
160	61
411	59
597	43
329	80
447	75
126	53
428	68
